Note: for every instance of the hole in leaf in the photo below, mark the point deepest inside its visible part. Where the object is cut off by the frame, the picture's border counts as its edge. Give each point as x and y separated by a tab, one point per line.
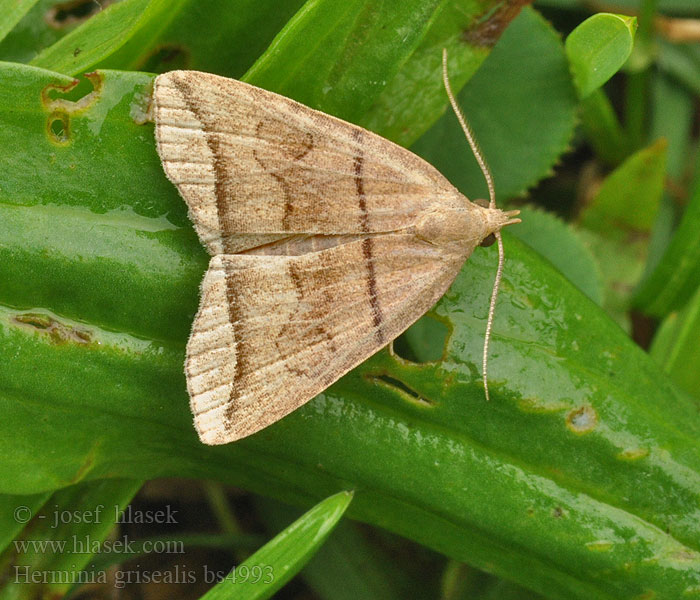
65	14
74	91
59	128
168	57
401	387
424	341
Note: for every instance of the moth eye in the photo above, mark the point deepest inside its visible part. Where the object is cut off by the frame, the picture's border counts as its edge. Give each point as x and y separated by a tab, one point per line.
488	240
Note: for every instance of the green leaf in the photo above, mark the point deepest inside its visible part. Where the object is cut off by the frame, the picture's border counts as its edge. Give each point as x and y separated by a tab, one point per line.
364	64
675	278
11	13
672	119
618	223
682	62
621	267
92	180
229	542
628	200
524	82
356	562
234	38
37	30
416	97
261	575
685	7
462	582
598	48
161	42
603	129
294	68
563	247
576	482
676	347
62	537
15	512
162	38
102	35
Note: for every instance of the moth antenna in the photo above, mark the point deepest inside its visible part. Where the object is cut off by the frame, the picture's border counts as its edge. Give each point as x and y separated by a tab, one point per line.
492	204
492	310
468	132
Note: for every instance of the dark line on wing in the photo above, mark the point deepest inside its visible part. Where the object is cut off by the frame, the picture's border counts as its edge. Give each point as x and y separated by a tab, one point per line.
372	288
367	243
189	96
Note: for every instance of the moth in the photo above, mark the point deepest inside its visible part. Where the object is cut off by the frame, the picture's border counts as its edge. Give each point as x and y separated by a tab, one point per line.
326	241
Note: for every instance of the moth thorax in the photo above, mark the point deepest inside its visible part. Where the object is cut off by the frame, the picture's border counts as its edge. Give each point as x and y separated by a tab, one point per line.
461	226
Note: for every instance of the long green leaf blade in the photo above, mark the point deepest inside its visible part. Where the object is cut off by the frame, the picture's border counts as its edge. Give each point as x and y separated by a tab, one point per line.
261	575
11	13
674	279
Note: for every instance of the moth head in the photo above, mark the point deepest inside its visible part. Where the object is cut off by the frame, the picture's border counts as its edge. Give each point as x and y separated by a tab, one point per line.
495	220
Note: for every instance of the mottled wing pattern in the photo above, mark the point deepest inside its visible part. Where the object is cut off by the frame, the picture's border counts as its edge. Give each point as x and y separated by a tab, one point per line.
274	331
253	166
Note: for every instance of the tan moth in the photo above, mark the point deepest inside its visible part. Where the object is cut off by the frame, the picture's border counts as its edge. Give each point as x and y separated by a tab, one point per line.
327	242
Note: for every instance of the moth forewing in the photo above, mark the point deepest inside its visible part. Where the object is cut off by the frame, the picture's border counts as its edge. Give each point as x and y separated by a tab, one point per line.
327	242
250	161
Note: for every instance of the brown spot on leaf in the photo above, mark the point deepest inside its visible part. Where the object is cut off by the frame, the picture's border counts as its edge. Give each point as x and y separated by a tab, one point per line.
65	14
487	28
582	420
633	454
166	57
57	332
86	467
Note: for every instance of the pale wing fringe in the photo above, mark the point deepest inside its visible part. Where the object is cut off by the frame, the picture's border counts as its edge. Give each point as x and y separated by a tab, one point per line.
260	369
